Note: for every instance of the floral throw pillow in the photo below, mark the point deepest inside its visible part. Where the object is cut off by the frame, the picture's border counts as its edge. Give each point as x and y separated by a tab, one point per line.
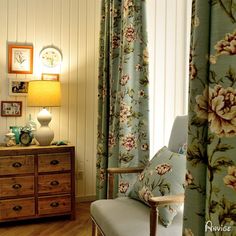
164	175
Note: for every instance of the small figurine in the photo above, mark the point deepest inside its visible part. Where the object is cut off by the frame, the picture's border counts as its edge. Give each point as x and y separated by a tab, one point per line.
10	139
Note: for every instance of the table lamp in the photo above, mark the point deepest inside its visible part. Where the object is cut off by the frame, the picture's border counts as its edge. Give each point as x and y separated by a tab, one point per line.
44	93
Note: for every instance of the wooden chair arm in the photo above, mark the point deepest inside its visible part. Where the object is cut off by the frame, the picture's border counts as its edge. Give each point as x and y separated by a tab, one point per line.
158	201
112	171
169	199
124	170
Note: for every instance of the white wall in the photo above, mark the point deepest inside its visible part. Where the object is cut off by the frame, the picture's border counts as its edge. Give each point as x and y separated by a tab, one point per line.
168	32
73	26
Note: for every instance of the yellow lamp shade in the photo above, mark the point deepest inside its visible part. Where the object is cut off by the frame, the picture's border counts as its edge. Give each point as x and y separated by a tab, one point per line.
44	93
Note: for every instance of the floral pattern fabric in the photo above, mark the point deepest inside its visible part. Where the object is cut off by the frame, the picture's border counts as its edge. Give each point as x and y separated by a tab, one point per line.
163	175
211	163
123	133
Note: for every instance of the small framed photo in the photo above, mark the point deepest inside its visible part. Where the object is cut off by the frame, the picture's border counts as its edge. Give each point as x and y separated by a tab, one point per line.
50	77
20	59
11	108
18	87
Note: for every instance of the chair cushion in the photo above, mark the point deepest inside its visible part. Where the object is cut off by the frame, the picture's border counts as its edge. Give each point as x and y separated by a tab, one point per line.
128	217
164	175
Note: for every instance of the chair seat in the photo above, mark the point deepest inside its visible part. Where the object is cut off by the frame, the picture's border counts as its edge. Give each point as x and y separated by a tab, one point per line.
128	217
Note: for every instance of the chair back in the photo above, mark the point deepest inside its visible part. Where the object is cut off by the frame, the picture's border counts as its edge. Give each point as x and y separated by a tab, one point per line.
179	133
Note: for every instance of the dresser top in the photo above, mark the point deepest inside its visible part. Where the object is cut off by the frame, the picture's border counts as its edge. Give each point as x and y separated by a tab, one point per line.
34	149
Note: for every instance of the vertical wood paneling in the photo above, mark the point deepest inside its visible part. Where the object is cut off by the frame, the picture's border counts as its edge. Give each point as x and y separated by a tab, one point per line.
90	104
11	37
64	120
73	70
21	38
30	37
73	27
97	11
3	61
81	131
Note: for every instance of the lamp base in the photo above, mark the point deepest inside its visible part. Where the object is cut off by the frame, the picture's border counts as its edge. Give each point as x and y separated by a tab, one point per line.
44	135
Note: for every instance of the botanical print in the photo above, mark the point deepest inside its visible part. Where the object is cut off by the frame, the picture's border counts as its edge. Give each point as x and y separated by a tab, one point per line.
123	133
230	178
226	46
21	59
211	177
227	7
218	105
161	169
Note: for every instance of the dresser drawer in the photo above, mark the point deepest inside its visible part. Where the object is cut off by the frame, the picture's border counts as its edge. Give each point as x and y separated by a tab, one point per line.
52	205
17	208
54	183
54	162
16	165
16	186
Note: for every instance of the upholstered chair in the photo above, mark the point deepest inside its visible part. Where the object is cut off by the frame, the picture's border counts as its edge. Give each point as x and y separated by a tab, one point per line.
125	216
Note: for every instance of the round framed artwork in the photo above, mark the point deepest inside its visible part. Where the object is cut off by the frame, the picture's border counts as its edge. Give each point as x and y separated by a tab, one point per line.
50	57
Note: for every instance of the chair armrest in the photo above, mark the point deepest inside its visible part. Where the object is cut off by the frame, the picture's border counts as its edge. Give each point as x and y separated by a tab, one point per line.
112	171
158	201
169	199
124	170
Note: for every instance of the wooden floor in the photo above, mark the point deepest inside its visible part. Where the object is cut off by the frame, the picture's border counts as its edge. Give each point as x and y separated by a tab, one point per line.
51	227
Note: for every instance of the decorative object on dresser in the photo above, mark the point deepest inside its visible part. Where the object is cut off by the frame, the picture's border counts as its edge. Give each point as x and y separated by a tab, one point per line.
43	93
16	130
26	136
20	59
36	182
10	139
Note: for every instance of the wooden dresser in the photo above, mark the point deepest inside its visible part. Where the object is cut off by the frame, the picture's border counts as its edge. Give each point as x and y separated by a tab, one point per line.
36	181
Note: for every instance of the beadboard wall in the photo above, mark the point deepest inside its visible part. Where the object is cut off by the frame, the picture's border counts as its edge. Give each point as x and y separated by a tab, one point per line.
73	27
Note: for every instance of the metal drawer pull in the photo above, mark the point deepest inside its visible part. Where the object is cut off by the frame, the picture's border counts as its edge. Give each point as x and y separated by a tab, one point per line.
54	162
54	204
17	208
16	186
54	183
17	164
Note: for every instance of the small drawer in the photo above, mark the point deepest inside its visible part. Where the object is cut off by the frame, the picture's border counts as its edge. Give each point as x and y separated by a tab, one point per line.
16	186
55	183
15	208
23	164
52	205
54	162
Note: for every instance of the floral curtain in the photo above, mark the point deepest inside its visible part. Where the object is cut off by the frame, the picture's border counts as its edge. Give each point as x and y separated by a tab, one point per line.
210	204
123	133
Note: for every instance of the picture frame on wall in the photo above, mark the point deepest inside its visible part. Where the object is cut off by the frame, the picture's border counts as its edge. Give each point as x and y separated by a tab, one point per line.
20	59
50	77
11	108
18	87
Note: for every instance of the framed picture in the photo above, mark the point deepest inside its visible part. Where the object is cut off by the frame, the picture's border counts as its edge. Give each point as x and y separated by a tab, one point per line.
18	87
11	108
20	59
50	76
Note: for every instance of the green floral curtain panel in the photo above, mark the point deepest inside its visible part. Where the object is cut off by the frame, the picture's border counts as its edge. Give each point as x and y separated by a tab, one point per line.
123	133
210	205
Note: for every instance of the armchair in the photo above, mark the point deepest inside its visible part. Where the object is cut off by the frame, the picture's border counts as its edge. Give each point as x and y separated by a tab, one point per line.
124	216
